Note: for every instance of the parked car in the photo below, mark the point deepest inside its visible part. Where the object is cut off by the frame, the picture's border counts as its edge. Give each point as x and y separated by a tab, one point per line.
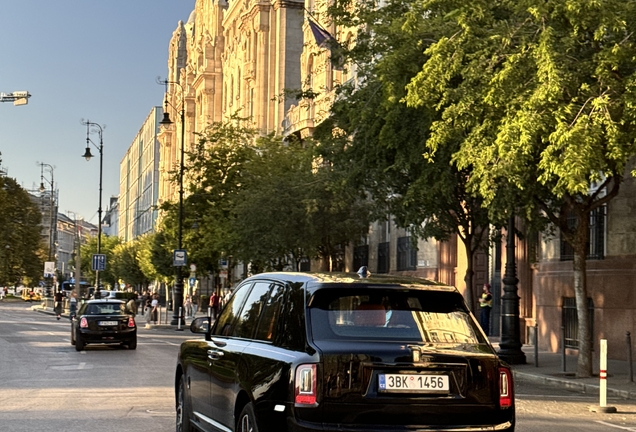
314	352
103	322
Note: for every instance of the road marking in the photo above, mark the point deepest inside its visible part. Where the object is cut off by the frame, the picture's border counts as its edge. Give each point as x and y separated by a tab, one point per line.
616	426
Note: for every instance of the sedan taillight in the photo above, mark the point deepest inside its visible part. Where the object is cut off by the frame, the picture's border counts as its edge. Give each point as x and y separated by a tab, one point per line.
83	323
305	385
505	388
131	322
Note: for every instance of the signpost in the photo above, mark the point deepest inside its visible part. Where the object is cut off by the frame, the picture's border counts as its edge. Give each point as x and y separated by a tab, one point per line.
99	262
179	258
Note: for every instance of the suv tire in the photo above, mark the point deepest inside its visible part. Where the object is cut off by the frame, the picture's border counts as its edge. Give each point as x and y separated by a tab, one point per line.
247	420
184	411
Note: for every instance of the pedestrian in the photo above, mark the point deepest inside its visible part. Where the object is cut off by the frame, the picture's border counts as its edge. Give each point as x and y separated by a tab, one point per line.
131	305
154	305
485	303
59	299
187	305
214	304
195	307
72	305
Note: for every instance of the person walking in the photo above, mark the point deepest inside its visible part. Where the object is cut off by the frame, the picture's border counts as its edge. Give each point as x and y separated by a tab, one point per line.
131	305
187	306
59	299
195	306
214	304
72	305
485	303
154	305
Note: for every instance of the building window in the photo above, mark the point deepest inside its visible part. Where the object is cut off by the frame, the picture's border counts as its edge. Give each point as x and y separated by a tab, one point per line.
360	257
383	257
406	254
570	321
596	242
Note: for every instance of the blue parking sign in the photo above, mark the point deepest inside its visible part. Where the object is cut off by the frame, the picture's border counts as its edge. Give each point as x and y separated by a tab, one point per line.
99	262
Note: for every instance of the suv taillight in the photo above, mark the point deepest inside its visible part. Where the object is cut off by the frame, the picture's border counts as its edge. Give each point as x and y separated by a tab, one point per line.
83	323
131	322
305	385
505	388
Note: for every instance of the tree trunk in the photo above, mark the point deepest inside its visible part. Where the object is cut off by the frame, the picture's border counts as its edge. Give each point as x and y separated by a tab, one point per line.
584	363
468	276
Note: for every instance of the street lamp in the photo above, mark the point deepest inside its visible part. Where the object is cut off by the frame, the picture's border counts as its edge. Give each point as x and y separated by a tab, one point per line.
52	215
510	345
178	286
87	155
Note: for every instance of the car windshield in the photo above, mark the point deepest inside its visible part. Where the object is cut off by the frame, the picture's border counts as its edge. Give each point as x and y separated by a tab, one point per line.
105	309
409	315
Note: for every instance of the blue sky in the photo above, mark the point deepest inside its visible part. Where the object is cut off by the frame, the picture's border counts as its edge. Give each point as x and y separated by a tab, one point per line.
80	59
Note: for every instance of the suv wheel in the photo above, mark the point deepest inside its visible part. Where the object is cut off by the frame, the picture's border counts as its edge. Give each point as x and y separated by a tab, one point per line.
247	420
183	408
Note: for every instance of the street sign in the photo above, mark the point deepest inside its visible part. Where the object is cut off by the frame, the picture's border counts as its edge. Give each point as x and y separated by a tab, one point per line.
180	258
49	269
192	281
99	262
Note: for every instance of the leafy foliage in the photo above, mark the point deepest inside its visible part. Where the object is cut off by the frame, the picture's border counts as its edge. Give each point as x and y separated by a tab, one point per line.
21	247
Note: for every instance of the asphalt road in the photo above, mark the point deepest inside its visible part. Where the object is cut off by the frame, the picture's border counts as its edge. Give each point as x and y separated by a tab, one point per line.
45	385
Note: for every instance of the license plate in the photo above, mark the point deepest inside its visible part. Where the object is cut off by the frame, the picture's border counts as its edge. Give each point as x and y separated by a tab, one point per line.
108	323
411	383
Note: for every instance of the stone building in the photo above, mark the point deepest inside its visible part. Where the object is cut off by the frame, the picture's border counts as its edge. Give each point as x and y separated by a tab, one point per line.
139	181
240	57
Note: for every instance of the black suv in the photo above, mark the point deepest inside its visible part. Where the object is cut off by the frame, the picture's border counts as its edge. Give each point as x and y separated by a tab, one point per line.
327	352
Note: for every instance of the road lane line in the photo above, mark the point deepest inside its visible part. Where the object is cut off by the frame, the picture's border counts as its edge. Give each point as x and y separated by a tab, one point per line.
616	426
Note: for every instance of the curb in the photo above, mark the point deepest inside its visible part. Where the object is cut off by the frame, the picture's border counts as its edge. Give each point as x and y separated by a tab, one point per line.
580	386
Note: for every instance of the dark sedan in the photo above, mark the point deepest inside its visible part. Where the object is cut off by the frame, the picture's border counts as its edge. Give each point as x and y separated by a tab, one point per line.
325	352
104	322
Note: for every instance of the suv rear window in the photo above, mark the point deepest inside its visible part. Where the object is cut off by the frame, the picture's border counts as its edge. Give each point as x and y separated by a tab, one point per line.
408	315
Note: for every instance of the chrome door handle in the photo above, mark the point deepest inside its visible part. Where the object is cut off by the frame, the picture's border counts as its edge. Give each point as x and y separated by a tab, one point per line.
215	355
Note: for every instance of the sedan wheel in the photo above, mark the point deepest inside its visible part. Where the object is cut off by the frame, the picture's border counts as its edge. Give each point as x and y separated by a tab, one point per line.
247	420
72	334
183	408
79	343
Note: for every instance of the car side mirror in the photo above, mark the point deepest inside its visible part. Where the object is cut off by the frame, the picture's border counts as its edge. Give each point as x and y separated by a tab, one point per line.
200	325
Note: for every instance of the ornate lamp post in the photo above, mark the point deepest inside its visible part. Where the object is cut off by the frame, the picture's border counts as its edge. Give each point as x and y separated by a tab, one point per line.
87	155
52	214
510	345
178	286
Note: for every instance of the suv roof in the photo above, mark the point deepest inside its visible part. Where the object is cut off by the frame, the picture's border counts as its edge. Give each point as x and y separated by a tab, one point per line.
313	281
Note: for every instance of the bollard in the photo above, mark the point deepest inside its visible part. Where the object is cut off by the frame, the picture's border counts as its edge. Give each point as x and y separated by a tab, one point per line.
179	321
629	356
536	344
158	313
602	374
563	367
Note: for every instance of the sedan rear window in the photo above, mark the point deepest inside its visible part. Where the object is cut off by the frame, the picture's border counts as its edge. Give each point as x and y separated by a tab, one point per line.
104	309
435	317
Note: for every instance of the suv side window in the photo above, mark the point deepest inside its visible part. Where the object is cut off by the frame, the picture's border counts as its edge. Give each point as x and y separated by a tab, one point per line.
231	310
267	326
248	319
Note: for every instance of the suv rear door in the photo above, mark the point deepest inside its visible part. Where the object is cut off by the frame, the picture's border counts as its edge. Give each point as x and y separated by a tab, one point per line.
396	356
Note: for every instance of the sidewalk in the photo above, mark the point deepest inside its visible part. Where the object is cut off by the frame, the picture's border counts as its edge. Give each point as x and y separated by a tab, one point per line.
550	371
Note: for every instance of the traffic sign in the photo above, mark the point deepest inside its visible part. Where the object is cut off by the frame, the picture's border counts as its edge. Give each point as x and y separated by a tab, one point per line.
192	281
180	258
99	262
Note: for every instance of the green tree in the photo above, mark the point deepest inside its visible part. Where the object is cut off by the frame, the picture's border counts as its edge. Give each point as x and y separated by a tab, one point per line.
381	142
107	277
541	96
21	246
126	265
155	257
